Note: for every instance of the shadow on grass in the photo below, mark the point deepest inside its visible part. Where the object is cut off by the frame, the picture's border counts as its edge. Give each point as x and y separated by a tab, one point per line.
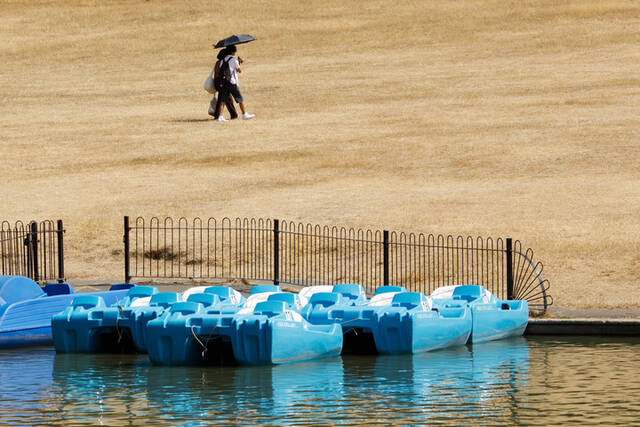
190	120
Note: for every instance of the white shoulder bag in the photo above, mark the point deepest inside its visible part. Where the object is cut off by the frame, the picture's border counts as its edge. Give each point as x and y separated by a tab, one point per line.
208	84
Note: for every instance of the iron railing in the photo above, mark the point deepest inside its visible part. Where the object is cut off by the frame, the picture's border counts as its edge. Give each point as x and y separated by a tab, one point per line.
35	250
306	254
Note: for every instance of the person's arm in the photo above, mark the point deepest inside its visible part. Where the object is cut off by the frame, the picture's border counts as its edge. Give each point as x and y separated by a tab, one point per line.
239	61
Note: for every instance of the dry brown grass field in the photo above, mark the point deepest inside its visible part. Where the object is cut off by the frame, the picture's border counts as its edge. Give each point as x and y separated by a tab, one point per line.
476	117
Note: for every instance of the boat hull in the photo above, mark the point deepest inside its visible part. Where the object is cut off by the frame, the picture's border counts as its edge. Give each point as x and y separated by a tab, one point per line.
265	341
28	323
422	331
497	321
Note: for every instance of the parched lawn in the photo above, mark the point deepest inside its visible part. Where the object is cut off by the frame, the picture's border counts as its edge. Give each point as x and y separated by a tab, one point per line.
493	118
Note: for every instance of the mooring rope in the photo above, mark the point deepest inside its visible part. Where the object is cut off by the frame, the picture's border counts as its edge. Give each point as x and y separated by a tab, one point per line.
351	320
204	347
351	329
118	331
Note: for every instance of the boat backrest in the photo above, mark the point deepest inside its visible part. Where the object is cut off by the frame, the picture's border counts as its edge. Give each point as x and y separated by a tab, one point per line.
88	301
408	300
138	302
270	308
226	294
18	288
223	292
326	299
383	299
257	289
468	292
52	289
121	286
206	300
307	292
351	291
195	290
291	300
135	293
385	289
165	299
187	307
443	292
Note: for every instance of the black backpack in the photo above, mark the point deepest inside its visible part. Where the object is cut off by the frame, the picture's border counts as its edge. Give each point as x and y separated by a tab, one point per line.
224	74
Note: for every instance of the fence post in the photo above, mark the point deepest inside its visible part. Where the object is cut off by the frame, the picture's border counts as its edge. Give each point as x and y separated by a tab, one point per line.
60	232
509	268
385	257
34	248
276	251
127	272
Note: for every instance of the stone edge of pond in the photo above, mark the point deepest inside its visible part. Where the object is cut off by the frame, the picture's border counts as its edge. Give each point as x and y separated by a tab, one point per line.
585	326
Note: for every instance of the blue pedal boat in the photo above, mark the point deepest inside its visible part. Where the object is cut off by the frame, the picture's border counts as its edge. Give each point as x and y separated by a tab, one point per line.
493	318
276	333
348	306
89	325
414	325
26	309
193	334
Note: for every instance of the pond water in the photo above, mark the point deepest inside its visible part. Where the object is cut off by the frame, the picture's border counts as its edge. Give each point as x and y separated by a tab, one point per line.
532	380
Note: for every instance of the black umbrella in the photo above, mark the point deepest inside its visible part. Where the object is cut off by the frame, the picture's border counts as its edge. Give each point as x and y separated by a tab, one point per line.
235	39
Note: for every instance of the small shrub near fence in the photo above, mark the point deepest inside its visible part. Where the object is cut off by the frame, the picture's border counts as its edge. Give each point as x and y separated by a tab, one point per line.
307	254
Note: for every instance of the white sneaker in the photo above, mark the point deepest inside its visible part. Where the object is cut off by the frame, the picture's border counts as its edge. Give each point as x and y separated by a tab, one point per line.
248	116
221	119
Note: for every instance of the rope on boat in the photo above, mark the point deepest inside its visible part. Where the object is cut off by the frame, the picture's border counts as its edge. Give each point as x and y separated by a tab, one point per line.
351	329
204	347
351	320
118	331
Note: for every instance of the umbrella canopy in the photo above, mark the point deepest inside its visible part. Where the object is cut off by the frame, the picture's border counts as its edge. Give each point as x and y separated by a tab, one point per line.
235	39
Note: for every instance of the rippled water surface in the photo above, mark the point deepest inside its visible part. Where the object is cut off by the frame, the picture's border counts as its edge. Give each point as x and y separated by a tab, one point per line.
516	381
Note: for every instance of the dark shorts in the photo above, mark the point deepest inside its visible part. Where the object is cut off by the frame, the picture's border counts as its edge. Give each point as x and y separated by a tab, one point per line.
233	90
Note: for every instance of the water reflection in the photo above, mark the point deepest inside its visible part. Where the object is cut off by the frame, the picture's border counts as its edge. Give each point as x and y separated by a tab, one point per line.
502	382
483	379
269	394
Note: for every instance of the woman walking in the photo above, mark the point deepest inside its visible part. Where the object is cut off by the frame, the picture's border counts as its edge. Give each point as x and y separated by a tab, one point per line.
215	104
228	75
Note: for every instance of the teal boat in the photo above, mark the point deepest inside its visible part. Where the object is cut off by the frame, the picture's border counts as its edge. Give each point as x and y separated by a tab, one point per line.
26	308
492	317
89	325
394	321
276	333
193	334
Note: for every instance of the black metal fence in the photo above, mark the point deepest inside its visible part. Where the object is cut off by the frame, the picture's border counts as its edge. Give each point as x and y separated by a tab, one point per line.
306	254
35	250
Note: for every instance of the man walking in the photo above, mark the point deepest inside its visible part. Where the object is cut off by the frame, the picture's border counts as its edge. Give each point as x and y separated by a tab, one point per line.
229	69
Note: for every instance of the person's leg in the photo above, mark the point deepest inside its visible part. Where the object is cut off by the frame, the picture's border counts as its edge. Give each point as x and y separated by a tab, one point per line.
223	97
235	91
231	108
212	105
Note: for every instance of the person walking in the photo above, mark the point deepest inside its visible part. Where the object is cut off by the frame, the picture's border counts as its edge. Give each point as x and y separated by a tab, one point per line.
229	69
217	84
